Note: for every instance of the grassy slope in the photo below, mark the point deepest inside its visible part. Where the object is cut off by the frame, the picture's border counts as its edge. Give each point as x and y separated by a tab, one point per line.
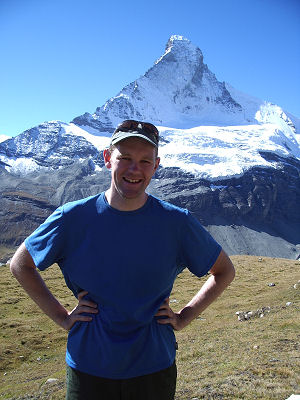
218	357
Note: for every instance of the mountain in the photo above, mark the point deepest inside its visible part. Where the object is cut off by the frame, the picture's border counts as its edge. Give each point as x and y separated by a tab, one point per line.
3	138
232	159
178	91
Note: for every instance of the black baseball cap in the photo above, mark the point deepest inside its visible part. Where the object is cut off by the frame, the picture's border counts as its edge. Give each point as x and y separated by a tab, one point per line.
132	128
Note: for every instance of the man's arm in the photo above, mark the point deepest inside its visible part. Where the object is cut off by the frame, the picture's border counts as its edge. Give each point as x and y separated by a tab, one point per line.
222	274
24	270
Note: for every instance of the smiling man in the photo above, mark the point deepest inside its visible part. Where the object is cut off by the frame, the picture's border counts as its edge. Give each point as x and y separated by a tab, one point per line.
132	163
120	252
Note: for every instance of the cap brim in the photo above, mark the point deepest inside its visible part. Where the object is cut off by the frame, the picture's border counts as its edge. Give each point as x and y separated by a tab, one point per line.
125	135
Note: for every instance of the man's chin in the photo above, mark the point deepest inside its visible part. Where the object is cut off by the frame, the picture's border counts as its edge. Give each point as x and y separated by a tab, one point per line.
133	195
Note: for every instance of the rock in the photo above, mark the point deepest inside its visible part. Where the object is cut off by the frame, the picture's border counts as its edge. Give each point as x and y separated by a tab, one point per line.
51	380
289	303
240	315
246	315
31	199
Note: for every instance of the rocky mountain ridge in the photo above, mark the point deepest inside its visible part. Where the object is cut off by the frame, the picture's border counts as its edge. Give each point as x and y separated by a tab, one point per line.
233	160
180	91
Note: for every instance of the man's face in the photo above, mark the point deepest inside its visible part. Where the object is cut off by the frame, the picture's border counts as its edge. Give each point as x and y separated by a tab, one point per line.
133	162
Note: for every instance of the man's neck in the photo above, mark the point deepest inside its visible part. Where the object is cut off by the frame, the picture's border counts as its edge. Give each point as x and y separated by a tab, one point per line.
123	204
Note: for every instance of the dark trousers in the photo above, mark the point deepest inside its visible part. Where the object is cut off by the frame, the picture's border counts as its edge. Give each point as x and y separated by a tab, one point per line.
160	385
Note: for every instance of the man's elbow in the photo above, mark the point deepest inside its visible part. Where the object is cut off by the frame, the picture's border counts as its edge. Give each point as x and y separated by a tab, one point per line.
13	266
231	273
223	268
229	269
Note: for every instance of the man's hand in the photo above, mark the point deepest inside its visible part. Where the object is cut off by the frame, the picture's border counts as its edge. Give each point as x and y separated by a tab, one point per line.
169	316
83	306
23	268
221	275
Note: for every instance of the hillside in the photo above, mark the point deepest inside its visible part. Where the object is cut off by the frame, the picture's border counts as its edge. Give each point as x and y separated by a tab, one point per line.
219	357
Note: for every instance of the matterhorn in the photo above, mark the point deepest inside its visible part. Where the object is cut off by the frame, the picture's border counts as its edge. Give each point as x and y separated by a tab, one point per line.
230	158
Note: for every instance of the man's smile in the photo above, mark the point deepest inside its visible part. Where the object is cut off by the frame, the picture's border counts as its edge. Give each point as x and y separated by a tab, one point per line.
132	180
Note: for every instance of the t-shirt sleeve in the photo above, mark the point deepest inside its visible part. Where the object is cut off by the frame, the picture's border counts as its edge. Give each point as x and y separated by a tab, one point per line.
199	250
45	244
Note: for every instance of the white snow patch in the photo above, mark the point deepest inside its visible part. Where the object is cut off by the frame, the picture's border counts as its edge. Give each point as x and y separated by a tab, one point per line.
20	165
220	152
100	142
210	152
4	137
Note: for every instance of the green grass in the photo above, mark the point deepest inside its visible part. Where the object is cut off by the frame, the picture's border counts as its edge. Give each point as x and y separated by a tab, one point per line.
218	356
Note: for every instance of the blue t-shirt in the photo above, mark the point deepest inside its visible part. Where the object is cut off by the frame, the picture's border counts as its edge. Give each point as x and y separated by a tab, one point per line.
127	261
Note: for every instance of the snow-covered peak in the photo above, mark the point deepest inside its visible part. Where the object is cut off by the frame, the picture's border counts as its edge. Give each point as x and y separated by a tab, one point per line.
178	39
53	144
4	137
177	91
271	113
182	49
208	128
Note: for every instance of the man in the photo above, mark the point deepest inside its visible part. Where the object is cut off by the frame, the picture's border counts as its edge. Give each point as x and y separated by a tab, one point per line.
120	252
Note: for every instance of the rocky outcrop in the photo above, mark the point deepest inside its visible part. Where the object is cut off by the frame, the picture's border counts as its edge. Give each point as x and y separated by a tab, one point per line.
259	313
48	146
260	195
92	121
236	210
26	202
23	207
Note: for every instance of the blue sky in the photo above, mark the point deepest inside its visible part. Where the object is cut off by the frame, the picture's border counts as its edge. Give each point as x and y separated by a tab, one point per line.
61	58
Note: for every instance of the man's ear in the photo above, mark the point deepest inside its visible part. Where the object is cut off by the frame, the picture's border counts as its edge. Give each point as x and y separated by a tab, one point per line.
157	161
107	157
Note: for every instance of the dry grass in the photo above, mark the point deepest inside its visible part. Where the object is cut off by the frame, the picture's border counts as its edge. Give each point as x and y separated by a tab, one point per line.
218	357
222	358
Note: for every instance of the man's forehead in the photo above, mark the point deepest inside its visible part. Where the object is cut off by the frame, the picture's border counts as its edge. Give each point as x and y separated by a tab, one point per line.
133	144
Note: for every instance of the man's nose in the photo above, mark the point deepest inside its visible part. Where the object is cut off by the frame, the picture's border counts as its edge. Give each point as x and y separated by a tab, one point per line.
134	166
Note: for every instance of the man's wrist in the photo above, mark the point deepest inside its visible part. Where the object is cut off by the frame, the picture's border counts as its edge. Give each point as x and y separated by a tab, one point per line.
184	318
